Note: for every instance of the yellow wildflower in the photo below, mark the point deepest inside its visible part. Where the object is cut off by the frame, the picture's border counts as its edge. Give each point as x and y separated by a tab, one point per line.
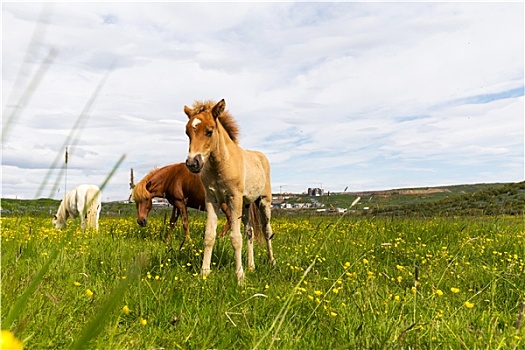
76	284
333	314
126	310
469	305
318	292
89	293
439	292
143	321
400	268
454	290
8	341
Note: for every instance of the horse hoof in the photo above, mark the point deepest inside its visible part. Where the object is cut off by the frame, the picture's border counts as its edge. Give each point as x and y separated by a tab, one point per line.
240	281
240	278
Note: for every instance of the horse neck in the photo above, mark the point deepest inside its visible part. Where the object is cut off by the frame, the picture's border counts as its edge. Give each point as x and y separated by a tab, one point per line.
223	150
161	181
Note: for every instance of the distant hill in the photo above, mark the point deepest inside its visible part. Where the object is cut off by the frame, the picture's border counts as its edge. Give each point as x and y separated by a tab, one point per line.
476	199
483	199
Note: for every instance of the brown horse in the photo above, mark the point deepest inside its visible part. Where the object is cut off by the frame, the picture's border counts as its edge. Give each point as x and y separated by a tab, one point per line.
230	175
180	187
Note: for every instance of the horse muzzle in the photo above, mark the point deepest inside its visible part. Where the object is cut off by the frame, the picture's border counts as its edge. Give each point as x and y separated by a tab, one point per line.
195	164
142	222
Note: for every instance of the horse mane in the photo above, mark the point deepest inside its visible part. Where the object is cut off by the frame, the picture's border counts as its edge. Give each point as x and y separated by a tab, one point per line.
139	191
228	123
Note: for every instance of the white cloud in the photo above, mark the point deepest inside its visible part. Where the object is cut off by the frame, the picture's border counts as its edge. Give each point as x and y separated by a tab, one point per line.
365	95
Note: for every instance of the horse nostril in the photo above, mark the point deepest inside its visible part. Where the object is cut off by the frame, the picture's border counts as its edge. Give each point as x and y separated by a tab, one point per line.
194	164
141	222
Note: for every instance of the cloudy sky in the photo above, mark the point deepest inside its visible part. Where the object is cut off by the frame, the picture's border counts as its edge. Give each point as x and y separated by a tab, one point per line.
356	96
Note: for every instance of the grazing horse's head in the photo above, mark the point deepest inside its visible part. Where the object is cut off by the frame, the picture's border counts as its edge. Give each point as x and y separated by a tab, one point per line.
143	193
59	224
203	131
60	218
143	201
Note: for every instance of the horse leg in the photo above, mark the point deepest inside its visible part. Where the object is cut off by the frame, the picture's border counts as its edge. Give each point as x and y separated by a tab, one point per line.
184	212
83	222
185	221
209	236
173	221
248	231
236	237
97	217
82	209
83	218
266	213
228	225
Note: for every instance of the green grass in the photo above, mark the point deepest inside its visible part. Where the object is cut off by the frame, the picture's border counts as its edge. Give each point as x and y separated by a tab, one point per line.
371	283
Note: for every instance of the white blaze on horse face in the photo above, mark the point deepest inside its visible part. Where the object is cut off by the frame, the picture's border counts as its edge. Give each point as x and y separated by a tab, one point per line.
192	152
195	122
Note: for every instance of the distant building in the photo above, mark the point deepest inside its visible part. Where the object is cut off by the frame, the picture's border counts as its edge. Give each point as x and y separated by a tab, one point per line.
160	202
314	192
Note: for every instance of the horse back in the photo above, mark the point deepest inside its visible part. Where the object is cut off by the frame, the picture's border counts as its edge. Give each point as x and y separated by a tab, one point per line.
80	197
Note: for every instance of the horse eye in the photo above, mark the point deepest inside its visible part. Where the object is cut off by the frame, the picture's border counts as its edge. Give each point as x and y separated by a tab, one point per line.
209	132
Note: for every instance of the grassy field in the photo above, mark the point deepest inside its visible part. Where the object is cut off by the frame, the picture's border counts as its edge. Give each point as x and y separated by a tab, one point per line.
340	282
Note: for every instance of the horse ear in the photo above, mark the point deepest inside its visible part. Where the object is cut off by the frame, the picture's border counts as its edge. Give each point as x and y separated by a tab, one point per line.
218	108
148	185
188	111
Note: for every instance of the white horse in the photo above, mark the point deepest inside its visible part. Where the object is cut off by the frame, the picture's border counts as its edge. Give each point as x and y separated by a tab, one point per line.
83	201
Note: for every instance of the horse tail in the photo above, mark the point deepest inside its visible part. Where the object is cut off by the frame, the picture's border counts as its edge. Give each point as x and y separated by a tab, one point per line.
255	218
94	205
